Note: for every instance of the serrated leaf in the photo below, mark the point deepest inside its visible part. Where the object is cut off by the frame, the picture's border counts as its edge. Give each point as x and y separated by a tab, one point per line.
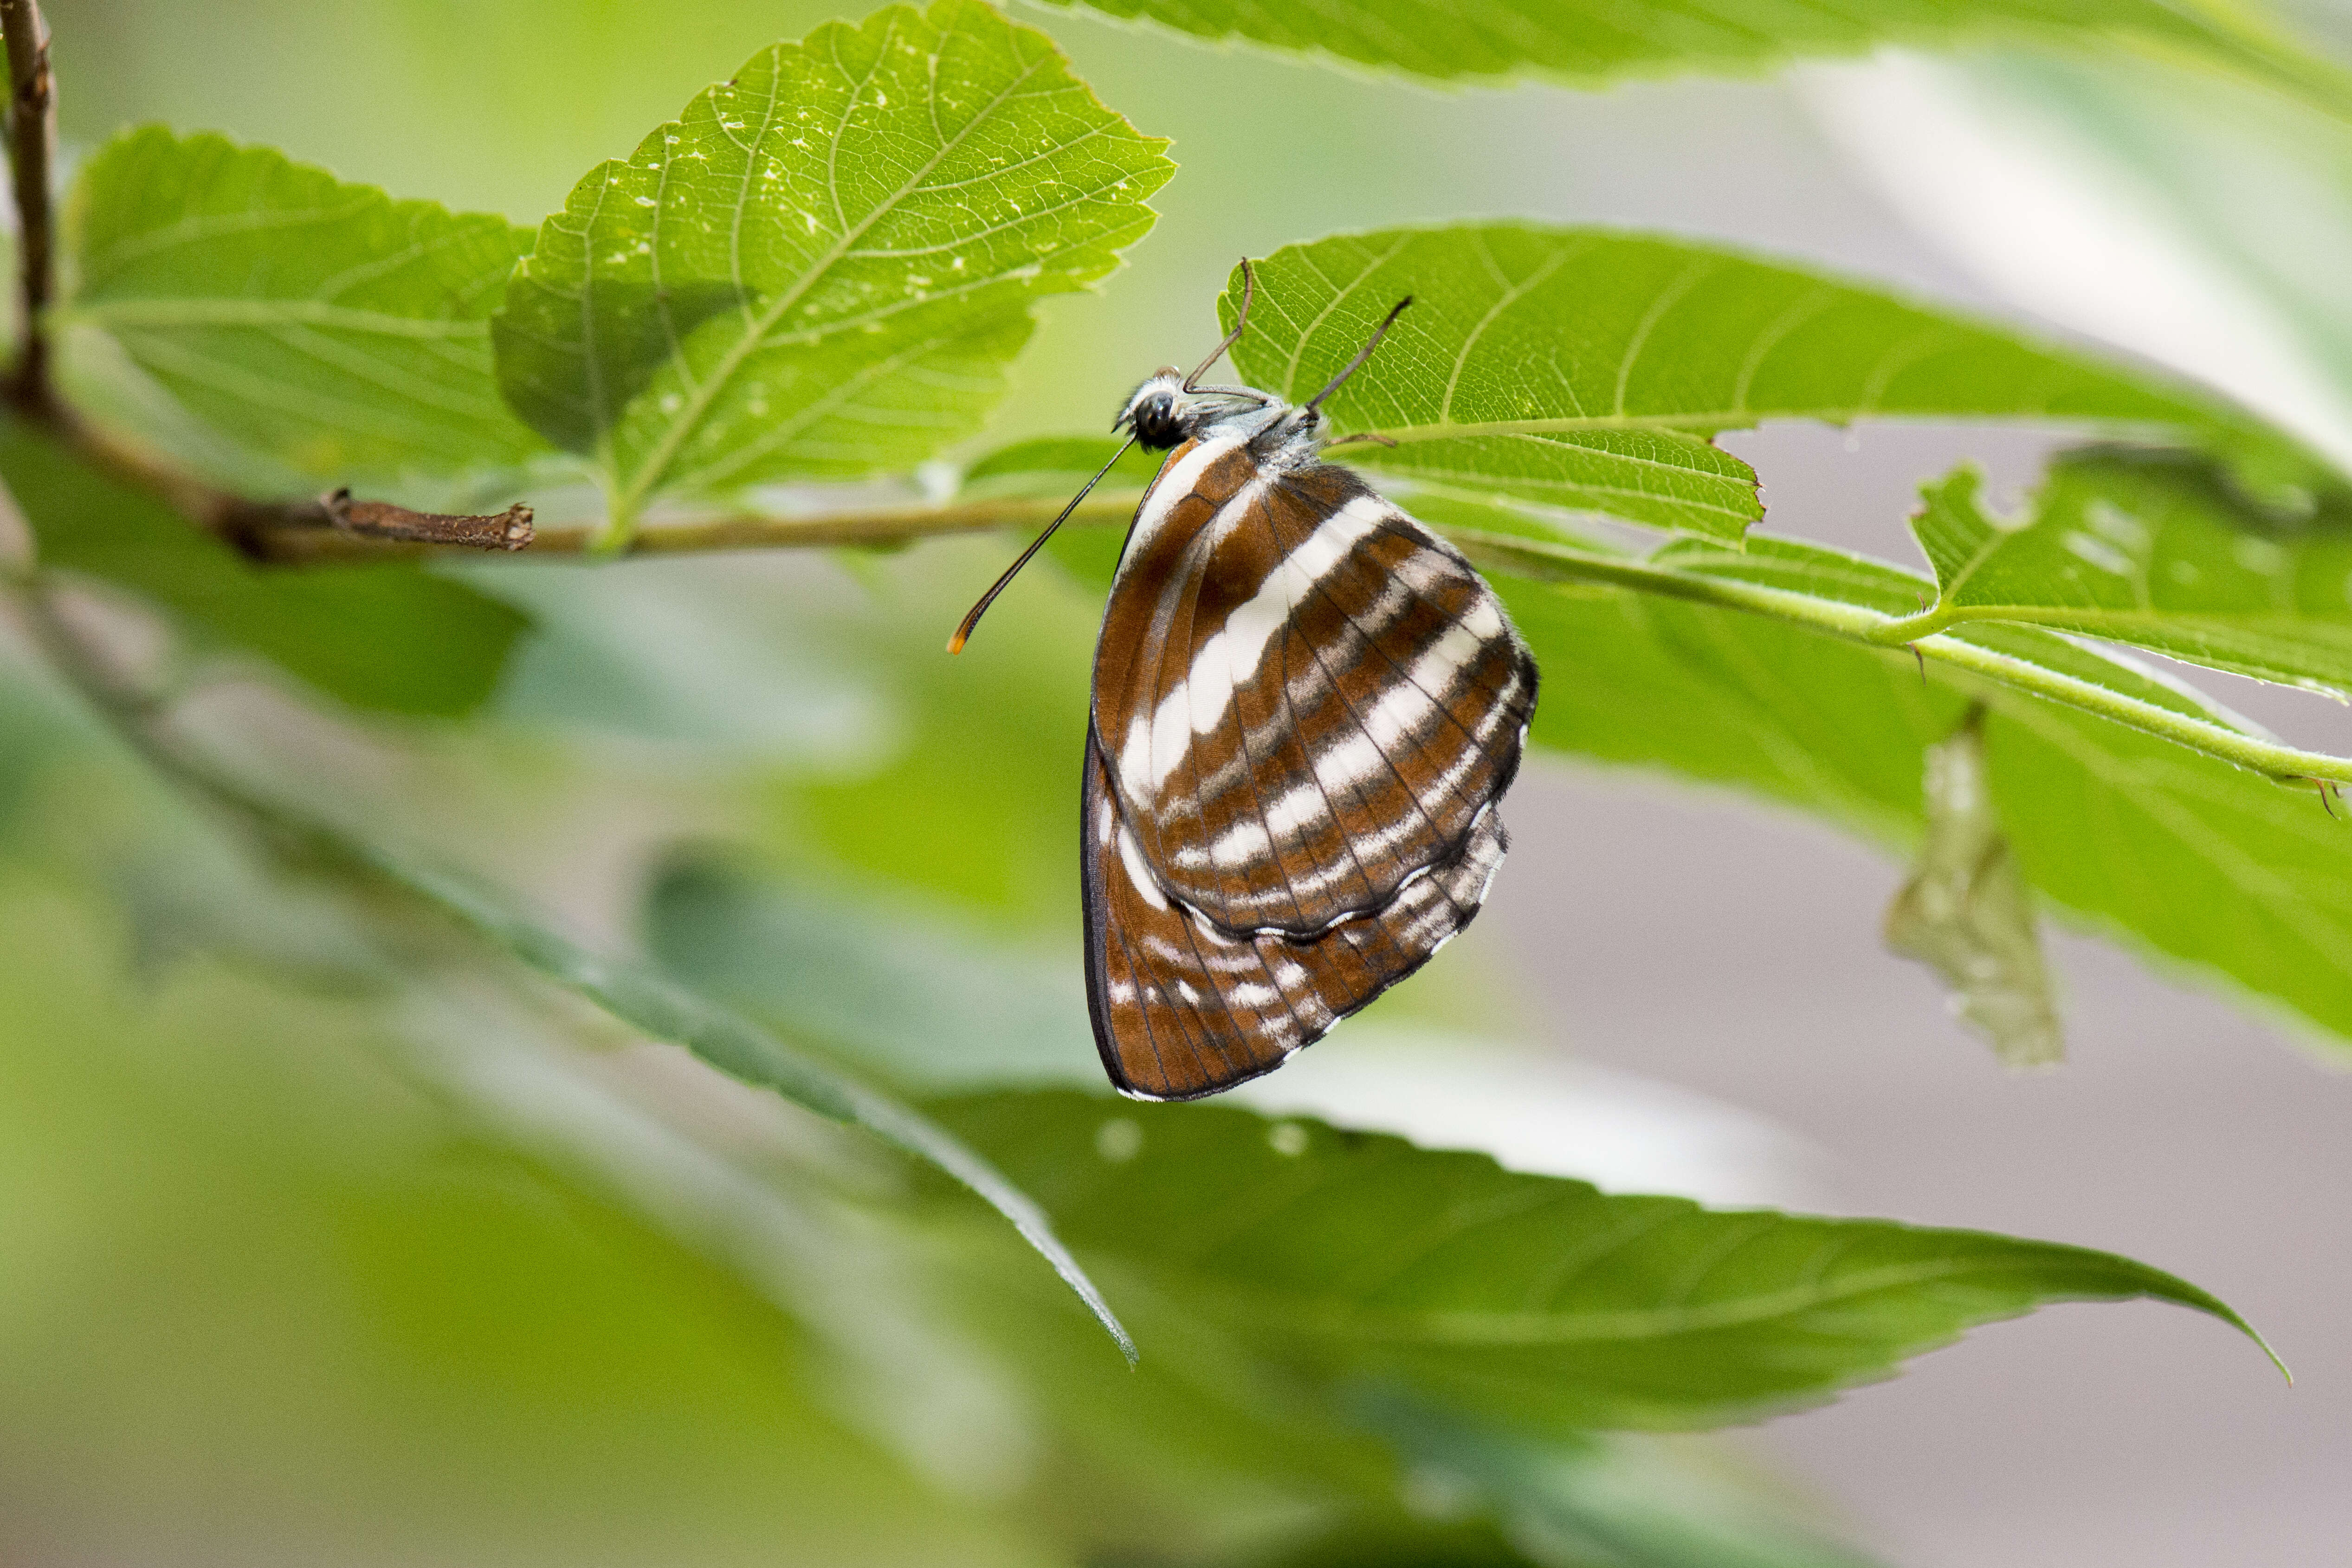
822	268
1967	912
1590	44
1587	370
318	323
391	637
2208	870
2158	551
1358	1260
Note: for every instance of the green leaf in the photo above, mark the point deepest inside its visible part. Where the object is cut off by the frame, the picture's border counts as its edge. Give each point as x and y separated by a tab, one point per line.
1587	370
1362	1261
2156	549
391	637
820	270
321	324
1588	44
2214	873
1967	911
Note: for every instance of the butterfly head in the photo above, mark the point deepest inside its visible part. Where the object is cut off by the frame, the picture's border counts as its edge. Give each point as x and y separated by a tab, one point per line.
1165	412
1161	412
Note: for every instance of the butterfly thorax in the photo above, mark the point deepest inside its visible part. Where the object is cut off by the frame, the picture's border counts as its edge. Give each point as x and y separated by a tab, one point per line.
1165	413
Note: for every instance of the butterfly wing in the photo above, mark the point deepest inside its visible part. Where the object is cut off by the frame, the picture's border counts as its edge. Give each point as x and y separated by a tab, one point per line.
1306	699
1183	1008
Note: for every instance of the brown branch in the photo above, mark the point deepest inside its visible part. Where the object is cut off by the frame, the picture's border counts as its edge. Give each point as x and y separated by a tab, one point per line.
510	529
32	131
303	541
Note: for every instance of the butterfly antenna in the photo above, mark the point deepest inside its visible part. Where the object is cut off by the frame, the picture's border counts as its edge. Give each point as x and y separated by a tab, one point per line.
1241	319
963	633
1361	354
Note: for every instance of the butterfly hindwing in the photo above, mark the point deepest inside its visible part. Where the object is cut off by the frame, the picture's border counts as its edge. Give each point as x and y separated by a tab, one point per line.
1183	1008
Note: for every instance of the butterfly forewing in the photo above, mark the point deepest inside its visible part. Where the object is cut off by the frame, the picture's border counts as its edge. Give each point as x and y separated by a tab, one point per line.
1305	700
1183	1008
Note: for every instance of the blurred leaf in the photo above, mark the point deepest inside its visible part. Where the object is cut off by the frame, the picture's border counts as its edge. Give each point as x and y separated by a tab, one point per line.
1359	1260
1058	466
719	655
910	995
391	637
2217	874
1403	1541
1588	44
2157	550
735	1046
320	323
1203	1431
1587	370
821	268
952	809
1625	1502
2191	218
1967	912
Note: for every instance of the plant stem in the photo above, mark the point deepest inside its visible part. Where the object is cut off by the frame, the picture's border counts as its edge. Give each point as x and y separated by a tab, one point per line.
32	139
1875	629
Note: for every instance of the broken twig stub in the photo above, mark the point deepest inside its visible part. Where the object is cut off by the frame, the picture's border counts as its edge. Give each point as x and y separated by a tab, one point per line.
510	529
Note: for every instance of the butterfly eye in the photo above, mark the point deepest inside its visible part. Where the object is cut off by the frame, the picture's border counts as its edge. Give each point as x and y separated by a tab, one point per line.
1157	424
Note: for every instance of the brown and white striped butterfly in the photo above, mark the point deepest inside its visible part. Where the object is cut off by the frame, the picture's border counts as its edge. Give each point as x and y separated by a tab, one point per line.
1306	706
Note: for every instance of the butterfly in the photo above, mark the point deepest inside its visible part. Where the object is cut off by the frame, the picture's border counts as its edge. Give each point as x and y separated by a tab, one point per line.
1306	708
